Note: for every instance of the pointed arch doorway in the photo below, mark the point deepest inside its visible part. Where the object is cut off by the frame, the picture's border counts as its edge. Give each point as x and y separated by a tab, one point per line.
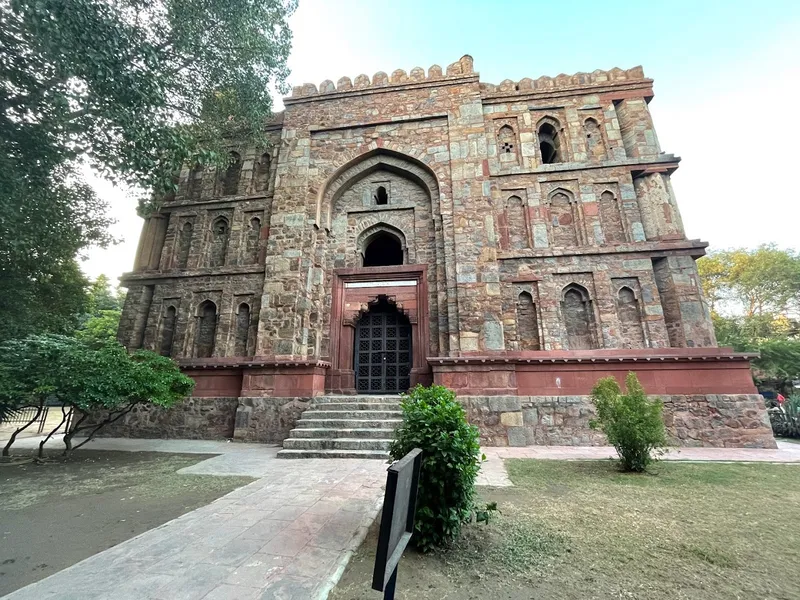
383	354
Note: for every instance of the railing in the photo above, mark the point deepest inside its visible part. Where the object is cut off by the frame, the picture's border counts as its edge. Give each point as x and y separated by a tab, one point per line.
28	415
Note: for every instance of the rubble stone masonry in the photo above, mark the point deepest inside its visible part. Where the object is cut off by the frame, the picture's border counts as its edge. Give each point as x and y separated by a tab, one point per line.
525	221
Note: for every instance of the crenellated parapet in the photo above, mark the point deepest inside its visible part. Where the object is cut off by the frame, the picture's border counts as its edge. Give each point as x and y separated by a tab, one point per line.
462	67
563	81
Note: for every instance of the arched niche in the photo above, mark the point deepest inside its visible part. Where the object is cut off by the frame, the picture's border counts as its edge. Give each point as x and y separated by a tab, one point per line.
367	164
382	246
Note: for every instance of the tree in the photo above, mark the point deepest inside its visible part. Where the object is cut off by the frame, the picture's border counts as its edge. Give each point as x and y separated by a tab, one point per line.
101	384
102	298
43	227
133	88
137	87
763	281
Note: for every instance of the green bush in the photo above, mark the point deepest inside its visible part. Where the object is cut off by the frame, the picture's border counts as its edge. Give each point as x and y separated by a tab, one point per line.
435	422
632	422
785	417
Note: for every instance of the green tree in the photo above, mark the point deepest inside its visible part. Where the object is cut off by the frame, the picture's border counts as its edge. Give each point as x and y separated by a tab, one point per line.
133	88
101	296
138	88
763	281
101	384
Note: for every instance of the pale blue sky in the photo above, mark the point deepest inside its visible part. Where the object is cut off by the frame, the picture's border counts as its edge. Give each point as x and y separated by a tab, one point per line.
727	75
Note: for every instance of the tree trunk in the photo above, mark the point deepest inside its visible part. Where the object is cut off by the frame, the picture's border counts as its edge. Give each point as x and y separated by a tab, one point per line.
7	447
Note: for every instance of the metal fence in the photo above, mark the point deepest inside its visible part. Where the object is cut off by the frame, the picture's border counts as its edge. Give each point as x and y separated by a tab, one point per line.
28	414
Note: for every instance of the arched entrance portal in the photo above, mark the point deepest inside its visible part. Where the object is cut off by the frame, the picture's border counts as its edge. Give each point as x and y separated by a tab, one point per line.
382	351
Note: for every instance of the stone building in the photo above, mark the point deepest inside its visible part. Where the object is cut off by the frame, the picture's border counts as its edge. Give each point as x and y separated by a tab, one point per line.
514	242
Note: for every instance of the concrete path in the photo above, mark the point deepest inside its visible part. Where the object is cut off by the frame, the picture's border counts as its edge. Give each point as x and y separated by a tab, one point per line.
287	536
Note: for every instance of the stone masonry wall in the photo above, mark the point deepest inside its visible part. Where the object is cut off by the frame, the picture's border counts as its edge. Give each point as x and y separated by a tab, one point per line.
194	418
267	420
727	421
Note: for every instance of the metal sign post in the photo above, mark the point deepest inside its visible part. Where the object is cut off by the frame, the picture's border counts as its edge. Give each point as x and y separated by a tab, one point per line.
397	521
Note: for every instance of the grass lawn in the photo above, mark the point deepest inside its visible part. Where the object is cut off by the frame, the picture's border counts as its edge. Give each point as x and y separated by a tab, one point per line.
582	530
58	513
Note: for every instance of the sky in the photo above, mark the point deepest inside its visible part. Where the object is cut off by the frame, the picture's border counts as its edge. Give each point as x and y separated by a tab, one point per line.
726	76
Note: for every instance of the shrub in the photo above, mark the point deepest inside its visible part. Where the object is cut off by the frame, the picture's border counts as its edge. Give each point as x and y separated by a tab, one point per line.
785	417
435	422
632	422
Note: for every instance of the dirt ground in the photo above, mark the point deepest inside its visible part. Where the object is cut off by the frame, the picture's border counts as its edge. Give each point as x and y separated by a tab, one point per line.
56	514
583	531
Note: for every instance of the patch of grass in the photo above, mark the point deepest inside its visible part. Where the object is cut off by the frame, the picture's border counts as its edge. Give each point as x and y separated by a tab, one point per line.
509	544
582	530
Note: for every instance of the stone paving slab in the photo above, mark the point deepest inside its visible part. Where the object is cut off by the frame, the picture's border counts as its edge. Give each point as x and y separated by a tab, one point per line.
287	536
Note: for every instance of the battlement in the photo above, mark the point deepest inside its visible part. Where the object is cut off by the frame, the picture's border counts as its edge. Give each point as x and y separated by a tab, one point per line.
464	67
563	81
459	68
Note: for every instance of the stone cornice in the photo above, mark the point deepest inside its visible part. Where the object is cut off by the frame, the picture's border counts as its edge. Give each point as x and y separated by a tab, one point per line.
181	274
694	248
249	363
643	355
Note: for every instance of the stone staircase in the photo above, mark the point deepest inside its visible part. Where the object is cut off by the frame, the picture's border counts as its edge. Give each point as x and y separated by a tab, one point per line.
344	427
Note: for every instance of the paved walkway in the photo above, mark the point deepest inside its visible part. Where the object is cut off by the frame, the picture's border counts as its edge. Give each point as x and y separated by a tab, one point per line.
287	536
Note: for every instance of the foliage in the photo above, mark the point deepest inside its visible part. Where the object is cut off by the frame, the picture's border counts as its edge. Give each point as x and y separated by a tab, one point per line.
100	330
764	281
103	384
631	422
137	88
43	227
104	307
785	417
133	89
436	423
101	297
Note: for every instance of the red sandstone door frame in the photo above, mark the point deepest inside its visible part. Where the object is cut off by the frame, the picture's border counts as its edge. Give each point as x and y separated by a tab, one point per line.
405	286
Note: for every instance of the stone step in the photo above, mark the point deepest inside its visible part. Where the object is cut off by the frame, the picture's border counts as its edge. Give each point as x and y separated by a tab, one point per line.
342	433
363	399
336	444
333	454
391	406
374	415
348	423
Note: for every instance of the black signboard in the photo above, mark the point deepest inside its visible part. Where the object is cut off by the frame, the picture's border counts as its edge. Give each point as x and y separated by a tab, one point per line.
397	522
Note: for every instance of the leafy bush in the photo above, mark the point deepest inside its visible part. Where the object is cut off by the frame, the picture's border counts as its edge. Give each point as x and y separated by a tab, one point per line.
632	423
785	417
435	422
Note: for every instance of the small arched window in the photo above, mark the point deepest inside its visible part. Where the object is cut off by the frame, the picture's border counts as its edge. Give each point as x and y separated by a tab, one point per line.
549	143
206	332
381	196
230	184
578	318
253	236
219	241
594	139
167	331
630	318
194	184
262	173
242	329
185	244
506	140
527	323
